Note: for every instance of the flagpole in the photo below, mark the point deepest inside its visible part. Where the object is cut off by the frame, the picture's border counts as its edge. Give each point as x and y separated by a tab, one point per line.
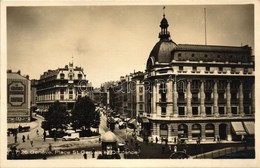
205	22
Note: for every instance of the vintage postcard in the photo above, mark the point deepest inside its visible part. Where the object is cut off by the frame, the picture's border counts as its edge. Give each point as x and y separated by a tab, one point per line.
129	84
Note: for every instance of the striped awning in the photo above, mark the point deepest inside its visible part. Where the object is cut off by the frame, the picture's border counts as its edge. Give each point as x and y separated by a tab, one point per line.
249	127
238	128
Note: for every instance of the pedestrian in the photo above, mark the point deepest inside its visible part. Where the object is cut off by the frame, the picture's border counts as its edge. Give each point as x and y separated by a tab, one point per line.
175	140
136	145
93	152
15	139
151	140
28	138
50	147
175	149
156	140
126	141
166	141
85	155
99	140
163	148
170	148
23	138
132	141
31	142
37	132
44	136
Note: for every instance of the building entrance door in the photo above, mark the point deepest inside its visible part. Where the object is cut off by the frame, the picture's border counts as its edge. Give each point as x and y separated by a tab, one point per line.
223	131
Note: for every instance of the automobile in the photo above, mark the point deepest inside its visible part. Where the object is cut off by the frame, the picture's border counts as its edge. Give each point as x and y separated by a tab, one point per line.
121	125
71	136
117	120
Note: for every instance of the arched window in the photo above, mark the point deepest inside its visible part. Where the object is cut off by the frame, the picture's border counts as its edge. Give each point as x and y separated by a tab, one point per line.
164	130
210	130
182	131
196	131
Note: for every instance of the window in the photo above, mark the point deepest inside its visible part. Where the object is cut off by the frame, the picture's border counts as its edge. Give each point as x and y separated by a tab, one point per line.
140	89
208	96
233	96
195	111
181	68
62	76
234	110
194	68
208	111
141	98
163	109
195	97
79	76
221	110
181	97
246	110
181	111
141	107
221	97
220	69
207	68
70	77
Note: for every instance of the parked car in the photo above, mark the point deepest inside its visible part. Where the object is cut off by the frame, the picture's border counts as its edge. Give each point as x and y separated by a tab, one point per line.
121	125
71	136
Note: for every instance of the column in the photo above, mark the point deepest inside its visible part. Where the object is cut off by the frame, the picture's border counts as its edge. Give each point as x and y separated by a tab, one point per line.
203	132
241	99
175	99
169	132
253	99
189	109
228	99
216	130
189	131
202	99
169	97
229	137
215	99
154	129
154	94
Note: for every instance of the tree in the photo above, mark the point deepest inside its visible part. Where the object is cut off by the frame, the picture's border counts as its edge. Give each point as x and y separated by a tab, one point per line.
84	114
56	116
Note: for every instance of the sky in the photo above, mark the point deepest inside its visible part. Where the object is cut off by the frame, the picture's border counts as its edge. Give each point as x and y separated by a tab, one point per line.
113	41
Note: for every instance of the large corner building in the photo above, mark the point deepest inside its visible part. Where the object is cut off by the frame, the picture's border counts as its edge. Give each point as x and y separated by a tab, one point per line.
63	84
199	91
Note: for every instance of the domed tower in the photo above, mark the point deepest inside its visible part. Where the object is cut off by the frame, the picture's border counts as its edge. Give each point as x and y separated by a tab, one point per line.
162	51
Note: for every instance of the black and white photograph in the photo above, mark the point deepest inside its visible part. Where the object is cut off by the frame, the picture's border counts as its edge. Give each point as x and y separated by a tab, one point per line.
155	84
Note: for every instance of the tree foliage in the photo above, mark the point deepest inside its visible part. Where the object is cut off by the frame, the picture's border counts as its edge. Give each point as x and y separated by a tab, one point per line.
84	114
56	116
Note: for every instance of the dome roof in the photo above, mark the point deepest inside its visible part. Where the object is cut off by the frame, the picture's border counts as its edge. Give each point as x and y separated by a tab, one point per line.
109	137
162	51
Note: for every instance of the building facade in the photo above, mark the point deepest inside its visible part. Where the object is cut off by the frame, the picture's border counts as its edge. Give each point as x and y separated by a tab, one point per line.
199	91
18	97
63	84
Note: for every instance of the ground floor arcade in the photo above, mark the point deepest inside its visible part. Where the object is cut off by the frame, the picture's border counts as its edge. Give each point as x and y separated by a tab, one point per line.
203	130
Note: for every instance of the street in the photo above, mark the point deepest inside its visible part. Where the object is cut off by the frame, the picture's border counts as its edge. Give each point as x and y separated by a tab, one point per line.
75	148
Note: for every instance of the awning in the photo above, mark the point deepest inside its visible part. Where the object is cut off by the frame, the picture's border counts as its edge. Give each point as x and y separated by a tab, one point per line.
144	120
249	127
238	128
